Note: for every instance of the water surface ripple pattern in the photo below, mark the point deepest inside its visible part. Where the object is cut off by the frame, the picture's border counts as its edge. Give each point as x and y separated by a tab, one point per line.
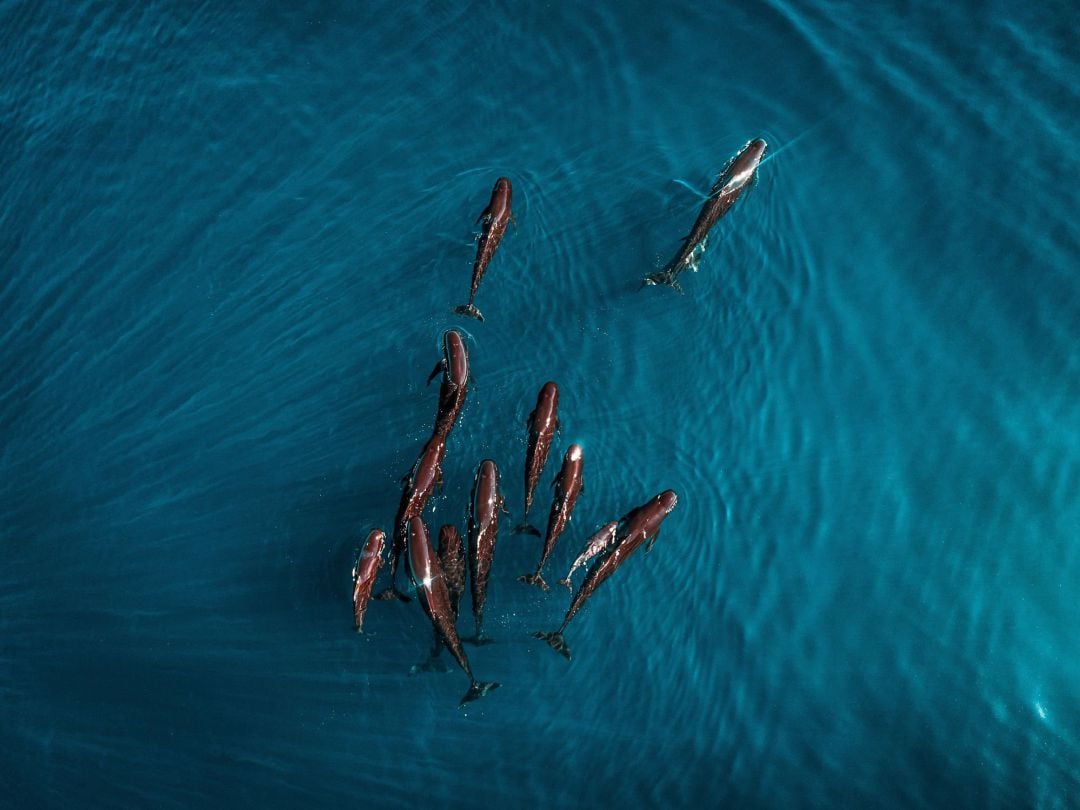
231	239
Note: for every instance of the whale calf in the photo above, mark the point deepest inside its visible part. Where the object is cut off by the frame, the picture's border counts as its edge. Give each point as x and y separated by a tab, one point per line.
364	573
601	541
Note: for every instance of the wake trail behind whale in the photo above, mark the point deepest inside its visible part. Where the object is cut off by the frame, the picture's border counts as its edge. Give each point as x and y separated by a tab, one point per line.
701	195
772	153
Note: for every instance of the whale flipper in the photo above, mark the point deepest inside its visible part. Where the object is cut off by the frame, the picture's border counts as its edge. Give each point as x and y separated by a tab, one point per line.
435	372
652	541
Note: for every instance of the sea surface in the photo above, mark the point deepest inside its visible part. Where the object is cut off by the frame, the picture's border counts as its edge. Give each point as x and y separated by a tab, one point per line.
230	239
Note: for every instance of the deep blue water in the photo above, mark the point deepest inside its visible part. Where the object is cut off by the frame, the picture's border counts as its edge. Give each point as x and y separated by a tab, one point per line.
230	239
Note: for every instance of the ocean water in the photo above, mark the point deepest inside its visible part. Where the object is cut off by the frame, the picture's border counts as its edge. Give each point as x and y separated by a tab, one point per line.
230	240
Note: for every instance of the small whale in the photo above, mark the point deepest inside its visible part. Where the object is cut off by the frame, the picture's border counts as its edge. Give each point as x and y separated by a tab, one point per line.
494	218
430	583
484	508
542	424
602	540
416	488
364	573
735	178
568	485
453	562
455	370
636	527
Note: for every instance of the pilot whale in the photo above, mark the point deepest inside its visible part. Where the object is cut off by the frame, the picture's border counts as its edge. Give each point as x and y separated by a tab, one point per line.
735	178
636	527
495	219
430	583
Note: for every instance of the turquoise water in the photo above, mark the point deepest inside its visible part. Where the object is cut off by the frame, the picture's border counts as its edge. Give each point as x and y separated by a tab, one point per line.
230	243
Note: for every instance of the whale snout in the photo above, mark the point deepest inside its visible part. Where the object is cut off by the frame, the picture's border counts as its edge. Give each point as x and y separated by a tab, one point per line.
668	500
452	341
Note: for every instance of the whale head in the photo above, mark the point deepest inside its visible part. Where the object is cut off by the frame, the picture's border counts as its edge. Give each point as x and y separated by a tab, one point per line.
756	149
667	500
742	168
456	357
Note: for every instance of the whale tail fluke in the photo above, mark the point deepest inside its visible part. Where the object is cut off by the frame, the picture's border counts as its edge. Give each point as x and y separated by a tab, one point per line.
569	585
479	640
526	528
663	277
470	311
477	689
392	593
534	579
556	642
